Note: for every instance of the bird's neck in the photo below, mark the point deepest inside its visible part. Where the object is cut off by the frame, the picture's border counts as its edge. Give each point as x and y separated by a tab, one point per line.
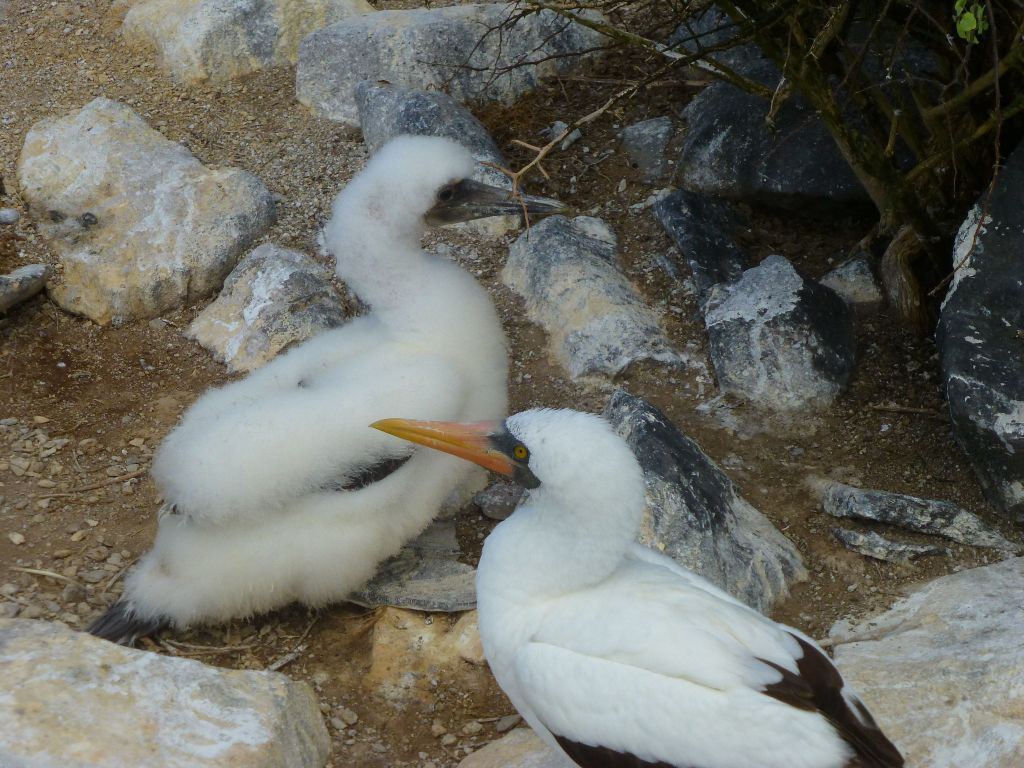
553	546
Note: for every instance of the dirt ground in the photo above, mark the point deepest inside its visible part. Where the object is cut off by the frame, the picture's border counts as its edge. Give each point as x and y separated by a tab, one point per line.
82	407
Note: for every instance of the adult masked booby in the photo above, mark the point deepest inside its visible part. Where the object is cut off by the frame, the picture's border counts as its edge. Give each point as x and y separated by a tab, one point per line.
615	654
275	490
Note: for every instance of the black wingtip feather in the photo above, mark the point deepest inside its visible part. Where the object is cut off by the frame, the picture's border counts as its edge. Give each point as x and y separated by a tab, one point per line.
819	686
120	624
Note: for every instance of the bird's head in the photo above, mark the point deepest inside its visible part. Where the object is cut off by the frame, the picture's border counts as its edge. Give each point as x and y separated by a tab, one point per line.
427	180
572	455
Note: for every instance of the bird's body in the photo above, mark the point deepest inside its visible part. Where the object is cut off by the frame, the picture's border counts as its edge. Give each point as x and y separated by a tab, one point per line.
615	654
275	489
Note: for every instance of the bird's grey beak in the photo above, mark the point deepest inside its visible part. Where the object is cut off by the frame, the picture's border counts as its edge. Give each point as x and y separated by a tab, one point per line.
468	199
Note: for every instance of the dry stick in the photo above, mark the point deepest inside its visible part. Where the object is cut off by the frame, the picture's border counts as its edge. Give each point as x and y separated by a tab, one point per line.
297	651
94	486
906	409
113	579
50	574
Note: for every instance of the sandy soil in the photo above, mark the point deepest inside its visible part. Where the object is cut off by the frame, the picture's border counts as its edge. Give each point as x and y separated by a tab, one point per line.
83	407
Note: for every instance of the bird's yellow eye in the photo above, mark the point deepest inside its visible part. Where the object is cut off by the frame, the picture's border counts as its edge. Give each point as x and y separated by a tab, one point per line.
520	452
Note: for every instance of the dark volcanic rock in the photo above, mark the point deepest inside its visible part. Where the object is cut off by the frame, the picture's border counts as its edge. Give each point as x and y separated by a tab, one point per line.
567	272
646	144
941	518
730	152
702	229
711	29
21	284
981	340
425	576
780	340
695	515
874	545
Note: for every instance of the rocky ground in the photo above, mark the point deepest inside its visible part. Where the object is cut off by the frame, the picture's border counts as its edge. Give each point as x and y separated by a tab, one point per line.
83	406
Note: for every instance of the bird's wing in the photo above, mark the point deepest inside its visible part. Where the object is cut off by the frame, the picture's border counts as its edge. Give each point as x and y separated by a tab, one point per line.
653	668
254	458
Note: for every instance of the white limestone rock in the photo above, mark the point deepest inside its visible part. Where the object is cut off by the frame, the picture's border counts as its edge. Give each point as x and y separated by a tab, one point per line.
222	39
522	748
140	225
855	283
70	700
567	272
448	48
275	297
780	340
943	670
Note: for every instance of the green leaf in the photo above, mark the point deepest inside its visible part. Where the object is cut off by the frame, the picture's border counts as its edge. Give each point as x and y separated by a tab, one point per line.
959	8
966	25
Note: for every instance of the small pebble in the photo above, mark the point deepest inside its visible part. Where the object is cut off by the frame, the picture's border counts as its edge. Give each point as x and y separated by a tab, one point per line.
9	216
448	739
507	723
437	729
16	538
348	716
472	728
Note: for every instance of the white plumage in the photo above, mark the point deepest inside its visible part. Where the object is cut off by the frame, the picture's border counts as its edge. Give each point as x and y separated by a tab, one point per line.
265	480
615	654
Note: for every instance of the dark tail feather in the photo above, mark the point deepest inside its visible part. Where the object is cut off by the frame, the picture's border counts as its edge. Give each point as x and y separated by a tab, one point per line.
120	624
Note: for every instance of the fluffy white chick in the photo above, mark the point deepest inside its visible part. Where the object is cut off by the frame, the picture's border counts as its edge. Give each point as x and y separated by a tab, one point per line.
275	488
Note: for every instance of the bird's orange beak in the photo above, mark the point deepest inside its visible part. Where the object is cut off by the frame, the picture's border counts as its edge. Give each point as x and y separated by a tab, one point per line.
467	441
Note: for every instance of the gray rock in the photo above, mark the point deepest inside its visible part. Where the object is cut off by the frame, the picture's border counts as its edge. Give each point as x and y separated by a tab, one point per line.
981	341
140	225
855	283
459	49
874	545
646	144
779	340
222	39
567	272
695	514
275	297
9	216
522	748
21	284
425	576
703	230
943	670
71	699
499	500
940	518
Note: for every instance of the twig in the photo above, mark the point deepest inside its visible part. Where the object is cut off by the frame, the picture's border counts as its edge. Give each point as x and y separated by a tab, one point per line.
209	649
906	409
94	486
113	579
296	651
50	574
287	659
